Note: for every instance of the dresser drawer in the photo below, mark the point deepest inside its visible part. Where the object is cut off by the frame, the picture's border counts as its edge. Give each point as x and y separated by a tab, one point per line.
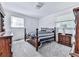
5	46
65	39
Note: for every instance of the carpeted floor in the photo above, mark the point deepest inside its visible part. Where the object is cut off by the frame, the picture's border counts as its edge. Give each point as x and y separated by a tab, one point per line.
53	49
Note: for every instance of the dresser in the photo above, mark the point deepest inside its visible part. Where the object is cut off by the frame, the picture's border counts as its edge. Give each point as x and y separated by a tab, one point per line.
64	39
5	38
5	45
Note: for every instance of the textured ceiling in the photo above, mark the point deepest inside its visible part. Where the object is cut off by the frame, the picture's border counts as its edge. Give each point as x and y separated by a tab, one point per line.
29	8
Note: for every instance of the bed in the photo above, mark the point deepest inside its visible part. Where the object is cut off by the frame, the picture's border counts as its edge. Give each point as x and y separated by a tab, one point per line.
44	35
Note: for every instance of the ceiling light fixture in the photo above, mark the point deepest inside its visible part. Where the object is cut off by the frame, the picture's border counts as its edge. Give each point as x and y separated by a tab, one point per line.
39	5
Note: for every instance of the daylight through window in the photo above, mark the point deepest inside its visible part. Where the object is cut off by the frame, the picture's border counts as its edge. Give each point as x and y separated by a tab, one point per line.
17	22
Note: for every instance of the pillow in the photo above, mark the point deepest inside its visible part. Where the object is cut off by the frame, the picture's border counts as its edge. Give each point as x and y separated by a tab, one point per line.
49	30
43	29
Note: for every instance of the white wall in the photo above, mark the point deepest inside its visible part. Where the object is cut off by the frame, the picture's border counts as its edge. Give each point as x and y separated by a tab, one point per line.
47	22
65	15
31	24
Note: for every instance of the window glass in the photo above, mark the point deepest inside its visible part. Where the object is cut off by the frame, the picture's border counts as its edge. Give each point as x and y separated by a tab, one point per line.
17	22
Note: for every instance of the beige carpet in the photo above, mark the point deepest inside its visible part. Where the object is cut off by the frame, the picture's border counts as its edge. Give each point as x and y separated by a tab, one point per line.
53	49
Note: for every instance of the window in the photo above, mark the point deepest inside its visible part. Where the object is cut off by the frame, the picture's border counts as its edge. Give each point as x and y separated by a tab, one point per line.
66	26
69	24
17	22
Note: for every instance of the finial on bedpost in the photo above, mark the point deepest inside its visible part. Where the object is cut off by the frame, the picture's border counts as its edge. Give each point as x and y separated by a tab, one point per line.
37	39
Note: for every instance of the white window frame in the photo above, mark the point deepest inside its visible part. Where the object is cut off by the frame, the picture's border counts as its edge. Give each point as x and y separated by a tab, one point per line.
17	26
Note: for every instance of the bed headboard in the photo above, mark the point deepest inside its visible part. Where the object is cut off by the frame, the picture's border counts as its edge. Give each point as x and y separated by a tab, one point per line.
48	29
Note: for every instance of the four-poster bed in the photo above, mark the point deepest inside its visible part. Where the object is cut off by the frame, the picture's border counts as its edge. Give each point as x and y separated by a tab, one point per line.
42	36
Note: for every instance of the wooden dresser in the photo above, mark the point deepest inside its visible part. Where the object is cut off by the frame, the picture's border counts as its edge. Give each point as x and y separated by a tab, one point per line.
5	38
64	39
5	45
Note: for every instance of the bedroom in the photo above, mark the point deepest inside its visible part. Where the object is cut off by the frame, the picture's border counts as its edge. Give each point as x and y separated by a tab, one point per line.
23	18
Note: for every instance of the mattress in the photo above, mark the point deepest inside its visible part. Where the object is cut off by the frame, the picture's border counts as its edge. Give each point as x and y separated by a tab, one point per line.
44	36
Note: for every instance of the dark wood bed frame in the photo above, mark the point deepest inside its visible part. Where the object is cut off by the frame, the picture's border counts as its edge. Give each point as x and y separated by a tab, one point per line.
34	41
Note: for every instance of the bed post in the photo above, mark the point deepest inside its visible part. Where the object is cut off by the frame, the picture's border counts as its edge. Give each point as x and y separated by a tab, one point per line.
54	33
37	39
24	34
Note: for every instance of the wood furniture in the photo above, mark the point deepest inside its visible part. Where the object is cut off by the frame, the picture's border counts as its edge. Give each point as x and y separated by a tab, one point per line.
1	20
25	37
76	12
5	38
1	23
76	49
74	55
5	45
64	39
33	42
36	41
